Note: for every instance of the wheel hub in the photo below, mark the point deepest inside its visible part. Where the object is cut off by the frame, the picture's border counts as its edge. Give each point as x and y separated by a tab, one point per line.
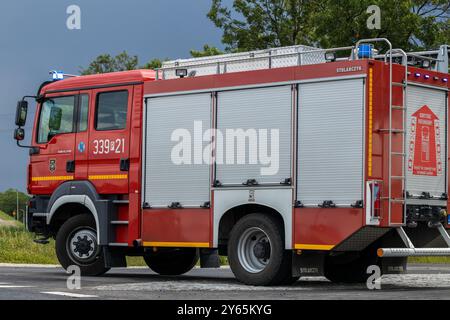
83	245
262	250
254	250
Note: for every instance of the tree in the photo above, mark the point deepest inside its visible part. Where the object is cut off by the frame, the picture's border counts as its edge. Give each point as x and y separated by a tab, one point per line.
8	201
106	63
207	52
260	24
122	62
153	64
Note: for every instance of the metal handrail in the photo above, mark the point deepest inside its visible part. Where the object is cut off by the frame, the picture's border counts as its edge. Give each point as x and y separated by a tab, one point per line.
250	59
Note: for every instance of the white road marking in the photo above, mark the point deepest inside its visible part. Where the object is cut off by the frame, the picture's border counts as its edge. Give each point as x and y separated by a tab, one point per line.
68	294
10	286
19	265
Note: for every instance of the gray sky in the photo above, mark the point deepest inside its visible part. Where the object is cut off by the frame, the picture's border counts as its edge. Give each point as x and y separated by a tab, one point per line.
34	39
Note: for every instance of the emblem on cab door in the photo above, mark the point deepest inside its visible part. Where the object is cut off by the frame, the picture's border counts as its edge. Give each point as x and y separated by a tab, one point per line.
81	147
52	165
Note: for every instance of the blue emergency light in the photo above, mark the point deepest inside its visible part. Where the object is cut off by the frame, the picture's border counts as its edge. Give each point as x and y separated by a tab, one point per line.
365	51
57	75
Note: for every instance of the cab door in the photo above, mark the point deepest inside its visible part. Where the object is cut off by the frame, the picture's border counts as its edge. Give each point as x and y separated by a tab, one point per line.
55	138
85	103
109	139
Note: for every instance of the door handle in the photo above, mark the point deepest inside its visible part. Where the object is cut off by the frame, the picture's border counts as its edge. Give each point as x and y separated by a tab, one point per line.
124	164
70	166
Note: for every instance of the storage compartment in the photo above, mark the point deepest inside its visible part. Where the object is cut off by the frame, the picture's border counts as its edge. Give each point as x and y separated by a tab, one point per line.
331	142
256	124
170	139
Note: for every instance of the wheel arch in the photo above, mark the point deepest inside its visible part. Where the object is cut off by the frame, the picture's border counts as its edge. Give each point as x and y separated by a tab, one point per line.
238	203
68	206
81	195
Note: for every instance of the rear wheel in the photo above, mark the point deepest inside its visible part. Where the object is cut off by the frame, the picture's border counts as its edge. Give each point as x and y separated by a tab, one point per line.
256	251
76	244
172	262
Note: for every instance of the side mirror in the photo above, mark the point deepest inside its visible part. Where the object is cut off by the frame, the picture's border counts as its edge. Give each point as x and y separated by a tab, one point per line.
55	119
19	134
21	113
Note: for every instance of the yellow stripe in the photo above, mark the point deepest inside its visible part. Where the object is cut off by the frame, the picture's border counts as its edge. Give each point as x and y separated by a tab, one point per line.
314	247
177	244
370	137
52	178
109	177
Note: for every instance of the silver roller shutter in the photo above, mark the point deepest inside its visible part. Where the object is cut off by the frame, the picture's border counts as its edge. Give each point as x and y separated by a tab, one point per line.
330	142
164	181
418	97
268	109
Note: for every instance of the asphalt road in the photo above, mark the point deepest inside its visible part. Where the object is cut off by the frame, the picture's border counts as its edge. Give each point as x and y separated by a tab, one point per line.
49	283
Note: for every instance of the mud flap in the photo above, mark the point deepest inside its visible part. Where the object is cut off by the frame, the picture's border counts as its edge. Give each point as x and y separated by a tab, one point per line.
393	265
114	259
308	264
209	258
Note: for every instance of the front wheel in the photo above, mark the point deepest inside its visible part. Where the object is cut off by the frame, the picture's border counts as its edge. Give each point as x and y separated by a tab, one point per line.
172	262
256	251
76	244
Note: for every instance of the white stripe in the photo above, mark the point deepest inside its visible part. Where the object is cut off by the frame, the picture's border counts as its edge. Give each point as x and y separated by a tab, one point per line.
67	294
19	265
10	286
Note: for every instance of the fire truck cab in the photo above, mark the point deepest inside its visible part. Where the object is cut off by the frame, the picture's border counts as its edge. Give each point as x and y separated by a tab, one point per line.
290	161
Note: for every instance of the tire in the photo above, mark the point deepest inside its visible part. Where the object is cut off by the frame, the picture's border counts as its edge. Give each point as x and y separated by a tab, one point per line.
174	262
78	237
256	252
350	268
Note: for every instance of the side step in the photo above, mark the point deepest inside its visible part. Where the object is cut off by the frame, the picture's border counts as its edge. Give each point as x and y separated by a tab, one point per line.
411	251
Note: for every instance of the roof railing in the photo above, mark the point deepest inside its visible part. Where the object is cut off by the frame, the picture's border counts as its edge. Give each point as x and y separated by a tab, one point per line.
276	58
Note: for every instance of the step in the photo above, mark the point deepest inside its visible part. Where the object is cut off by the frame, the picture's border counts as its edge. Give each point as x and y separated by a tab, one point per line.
119	222
398	108
121	201
117	244
398	84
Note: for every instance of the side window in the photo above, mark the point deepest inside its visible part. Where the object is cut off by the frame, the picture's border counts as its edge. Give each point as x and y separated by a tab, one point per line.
111	113
84	113
56	117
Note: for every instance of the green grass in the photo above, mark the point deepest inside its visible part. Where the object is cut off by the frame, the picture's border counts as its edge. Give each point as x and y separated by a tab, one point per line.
17	246
6	217
433	260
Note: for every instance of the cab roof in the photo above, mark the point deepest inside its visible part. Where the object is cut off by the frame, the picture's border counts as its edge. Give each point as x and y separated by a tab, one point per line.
100	80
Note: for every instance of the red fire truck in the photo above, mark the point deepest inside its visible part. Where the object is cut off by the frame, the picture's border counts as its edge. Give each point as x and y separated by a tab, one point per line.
291	161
